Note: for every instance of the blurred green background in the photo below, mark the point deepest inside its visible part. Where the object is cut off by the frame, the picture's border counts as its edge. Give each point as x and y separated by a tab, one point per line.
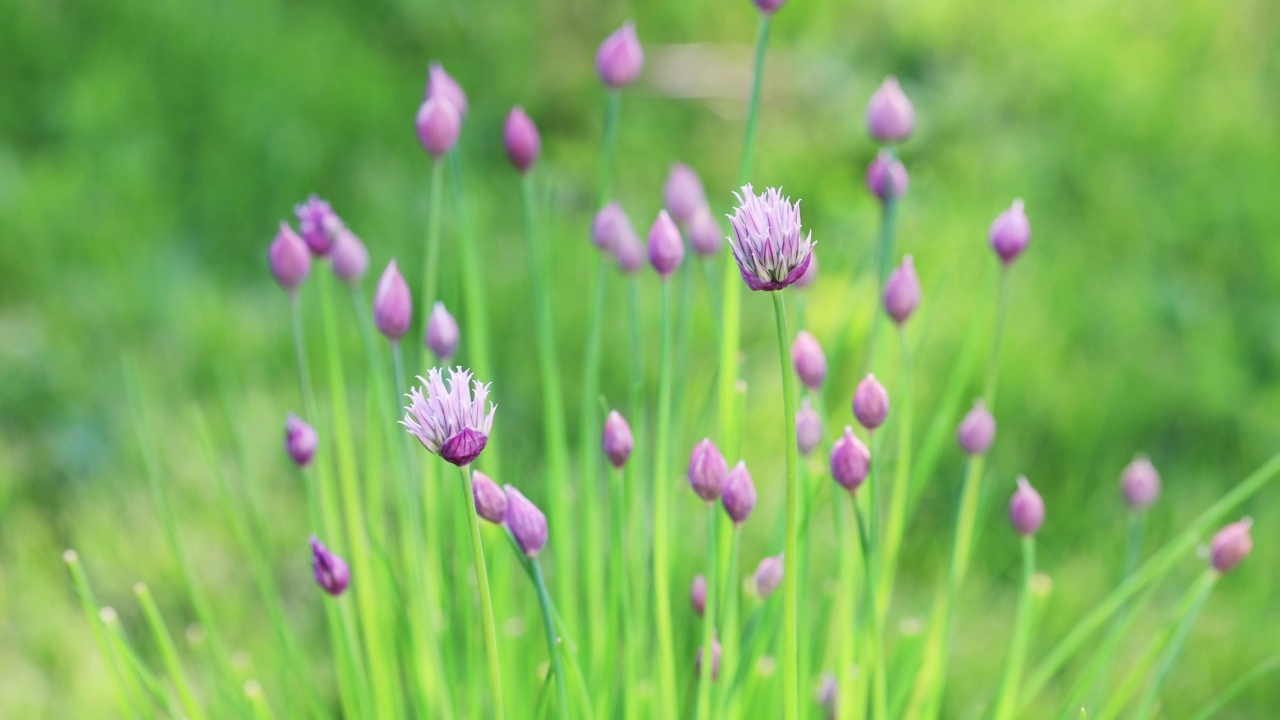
149	147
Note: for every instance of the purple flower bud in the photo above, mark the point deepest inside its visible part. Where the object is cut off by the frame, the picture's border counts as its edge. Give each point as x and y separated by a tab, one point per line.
441	85
521	138
1010	233
887	167
1140	483
890	116
527	523
698	595
870	403
318	224
739	497
1232	544
300	440
850	461
902	291
289	258
708	471
769	575
1026	509
491	501
392	304
620	57
769	7
630	254
810	362
666	247
704	232
442	333
810	273
349	256
683	194
808	428
828	695
618	441
715	660
977	430
331	571
438	124
611	227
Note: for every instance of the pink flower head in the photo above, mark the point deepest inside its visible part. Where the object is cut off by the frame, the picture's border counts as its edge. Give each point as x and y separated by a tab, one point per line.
611	227
810	362
300	440
850	461
331	571
871	403
438	124
769	575
708	472
450	421
739	497
290	259
666	247
528	524
350	257
698	595
520	136
704	232
491	501
392	304
902	291
620	57
683	194
1026	509
442	333
1140	483
977	431
618	441
442	85
1010	233
1231	545
318	224
767	242
887	176
890	115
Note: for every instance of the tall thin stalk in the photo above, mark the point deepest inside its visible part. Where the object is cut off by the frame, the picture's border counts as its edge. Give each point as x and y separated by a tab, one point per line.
1007	701
661	465
884	255
896	523
708	617
486	602
431	256
791	626
553	645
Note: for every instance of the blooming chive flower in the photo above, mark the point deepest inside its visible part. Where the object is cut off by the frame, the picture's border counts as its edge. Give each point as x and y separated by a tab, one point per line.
289	258
527	523
318	224
349	256
810	362
451	421
666	247
768	575
1010	233
618	441
890	116
491	501
902	291
331	571
1026	509
870	403
610	227
808	428
708	471
698	595
977	430
300	440
442	333
767	242
1231	545
886	174
715	660
704	232
438	124
520	136
620	57
1140	483
683	194
739	497
810	273
850	461
392	304
442	85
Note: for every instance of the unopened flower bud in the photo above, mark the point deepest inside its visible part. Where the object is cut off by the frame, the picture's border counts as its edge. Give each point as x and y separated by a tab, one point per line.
438	125
300	440
630	254
442	333
683	194
290	258
331	572
527	523
666	247
890	116
902	291
850	460
870	403
808	428
620	57
1026	509
708	471
318	224
349	256
1140	483
769	7
392	304
521	138
809	360
887	177
739	497
491	501
977	430
1010	233
610	227
768	575
1231	545
441	84
618	441
704	233
715	660
698	595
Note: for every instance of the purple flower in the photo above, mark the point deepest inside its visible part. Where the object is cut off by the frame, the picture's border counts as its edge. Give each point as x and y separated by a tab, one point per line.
902	291
890	116
666	247
450	422
520	136
620	57
708	471
810	273
769	7
1010	233
618	441
442	85
318	224
715	660
1140	483
683	194
886	166
300	440
392	304
704	232
1231	545
977	430
439	125
349	256
870	403
442	333
767	242
611	227
527	523
491	501
850	461
808	428
1026	509
698	595
769	575
739	497
289	258
630	254
828	695
331	571
810	362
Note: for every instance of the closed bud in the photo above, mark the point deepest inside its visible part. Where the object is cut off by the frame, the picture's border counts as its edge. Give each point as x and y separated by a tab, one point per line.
704	233
618	441
698	595
666	247
318	224
902	291
442	333
630	254
1026	509
715	660
850	461
890	116
1010	233
611	227
808	428
887	177
1140	483
438	124
768	575
769	7
708	471
620	57
300	440
1231	545
331	572
441	84
977	430
683	194
349	256
871	403
810	362
491	501
392	304
290	259
520	136
739	497
527	523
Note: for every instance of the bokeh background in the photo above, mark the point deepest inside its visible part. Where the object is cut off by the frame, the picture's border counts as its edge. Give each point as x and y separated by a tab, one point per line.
149	147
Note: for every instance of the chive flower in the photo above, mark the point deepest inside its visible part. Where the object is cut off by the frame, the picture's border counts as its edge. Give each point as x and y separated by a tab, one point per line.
611	227
1231	545
808	428
708	471
666	247
442	333
441	84
715	660
491	501
977	431
618	441
768	575
289	258
1140	483
767	242
902	291
331	571
438	124
1026	509
520	136
630	255
620	57
769	7
704	233
300	440
392	304
698	595
739	497
828	695
317	223
850	461
890	115
887	176
1010	232
349	256
810	362
683	194
450	420
871	403
527	523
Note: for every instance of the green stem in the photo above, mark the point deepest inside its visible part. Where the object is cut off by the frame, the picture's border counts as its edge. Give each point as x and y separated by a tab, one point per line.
661	572
1148	700
871	634
100	636
1258	672
993	365
475	300
709	617
612	109
168	653
848	697
622	589
1099	671
728	598
300	357
1008	699
901	481
486	603
884	256
791	627
553	645
431	258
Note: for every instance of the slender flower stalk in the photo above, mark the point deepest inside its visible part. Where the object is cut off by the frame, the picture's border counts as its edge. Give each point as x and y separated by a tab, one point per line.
661	533
486	601
706	679
431	256
553	641
1011	684
791	597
